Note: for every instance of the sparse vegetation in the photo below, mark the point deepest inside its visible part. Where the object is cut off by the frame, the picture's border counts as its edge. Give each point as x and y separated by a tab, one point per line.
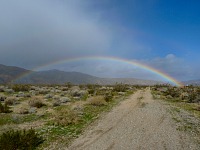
69	109
184	106
187	97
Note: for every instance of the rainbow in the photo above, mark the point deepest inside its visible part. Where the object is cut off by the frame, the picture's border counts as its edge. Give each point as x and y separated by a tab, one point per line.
130	62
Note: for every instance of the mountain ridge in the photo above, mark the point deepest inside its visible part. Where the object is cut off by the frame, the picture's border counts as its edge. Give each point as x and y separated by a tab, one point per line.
192	82
11	74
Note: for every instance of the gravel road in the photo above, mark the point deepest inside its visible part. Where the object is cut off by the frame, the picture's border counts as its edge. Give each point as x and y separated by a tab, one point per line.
138	123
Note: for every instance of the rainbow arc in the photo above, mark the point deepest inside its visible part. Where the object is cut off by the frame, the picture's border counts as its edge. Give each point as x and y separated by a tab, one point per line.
130	62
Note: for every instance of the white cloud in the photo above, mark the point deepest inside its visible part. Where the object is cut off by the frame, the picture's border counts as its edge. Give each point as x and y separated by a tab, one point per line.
174	66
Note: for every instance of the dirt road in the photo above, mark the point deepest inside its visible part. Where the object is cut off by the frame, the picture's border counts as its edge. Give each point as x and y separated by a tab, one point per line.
139	123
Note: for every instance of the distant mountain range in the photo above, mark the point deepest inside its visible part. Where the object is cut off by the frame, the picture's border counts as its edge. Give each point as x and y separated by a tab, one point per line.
192	82
11	74
8	73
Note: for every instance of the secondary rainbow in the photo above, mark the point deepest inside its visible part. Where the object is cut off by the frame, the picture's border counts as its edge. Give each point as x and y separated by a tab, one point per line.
131	62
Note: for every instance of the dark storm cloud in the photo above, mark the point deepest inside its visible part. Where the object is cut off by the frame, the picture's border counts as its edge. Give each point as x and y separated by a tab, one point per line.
36	32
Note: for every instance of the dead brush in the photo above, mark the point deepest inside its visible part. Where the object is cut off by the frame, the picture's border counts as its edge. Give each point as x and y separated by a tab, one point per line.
97	101
36	102
198	107
11	101
66	116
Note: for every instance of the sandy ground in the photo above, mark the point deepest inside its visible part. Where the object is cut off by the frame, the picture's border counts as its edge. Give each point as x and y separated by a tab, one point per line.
139	123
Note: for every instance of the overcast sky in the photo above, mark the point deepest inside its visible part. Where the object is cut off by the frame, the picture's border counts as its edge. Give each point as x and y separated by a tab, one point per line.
162	34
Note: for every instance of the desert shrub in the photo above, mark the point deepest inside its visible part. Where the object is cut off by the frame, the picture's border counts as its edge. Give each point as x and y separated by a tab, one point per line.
2	89
66	116
108	97
20	87
197	108
20	140
11	101
9	91
81	86
97	101
2	97
184	95
56	103
193	97
43	92
91	91
120	87
1	108
36	102
48	96
65	99
64	89
172	91
56	97
92	86
4	108
23	110
68	84
79	93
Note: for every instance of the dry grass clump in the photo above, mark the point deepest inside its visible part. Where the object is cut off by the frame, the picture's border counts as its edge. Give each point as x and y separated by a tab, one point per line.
11	101
36	102
66	116
23	110
97	101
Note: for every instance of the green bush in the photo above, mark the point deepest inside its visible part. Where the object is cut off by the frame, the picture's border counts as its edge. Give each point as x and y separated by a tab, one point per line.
91	91
20	140
4	108
108	97
193	97
21	87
